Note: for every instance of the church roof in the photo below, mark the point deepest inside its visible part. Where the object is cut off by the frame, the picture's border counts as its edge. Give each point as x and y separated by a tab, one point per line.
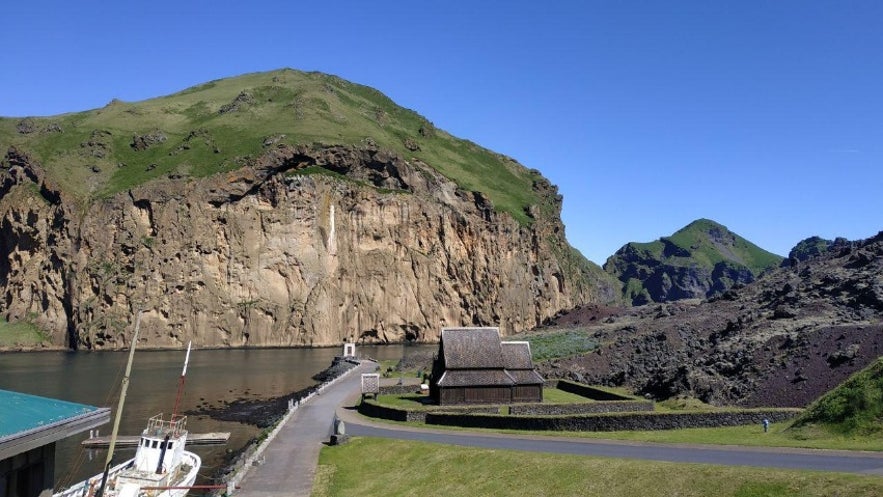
477	378
472	348
478	357
516	355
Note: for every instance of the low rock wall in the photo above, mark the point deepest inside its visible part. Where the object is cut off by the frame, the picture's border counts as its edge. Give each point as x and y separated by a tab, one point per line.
374	410
399	389
588	392
613	422
580	408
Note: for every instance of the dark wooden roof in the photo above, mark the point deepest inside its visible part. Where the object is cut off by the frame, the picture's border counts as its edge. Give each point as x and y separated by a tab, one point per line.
476	377
526	377
472	348
478	357
516	355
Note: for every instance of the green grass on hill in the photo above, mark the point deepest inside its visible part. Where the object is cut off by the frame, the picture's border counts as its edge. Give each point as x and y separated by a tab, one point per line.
223	124
694	244
558	343
379	467
21	334
854	408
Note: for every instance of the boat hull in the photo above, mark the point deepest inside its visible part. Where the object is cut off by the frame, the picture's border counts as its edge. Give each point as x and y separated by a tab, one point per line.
180	486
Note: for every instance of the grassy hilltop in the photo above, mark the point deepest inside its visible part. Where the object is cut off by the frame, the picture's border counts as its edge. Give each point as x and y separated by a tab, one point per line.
223	124
700	260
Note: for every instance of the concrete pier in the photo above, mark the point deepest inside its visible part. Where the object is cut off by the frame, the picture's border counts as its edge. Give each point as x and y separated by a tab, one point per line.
286	465
214	438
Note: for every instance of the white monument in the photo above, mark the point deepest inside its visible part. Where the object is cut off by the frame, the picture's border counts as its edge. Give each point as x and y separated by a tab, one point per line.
349	350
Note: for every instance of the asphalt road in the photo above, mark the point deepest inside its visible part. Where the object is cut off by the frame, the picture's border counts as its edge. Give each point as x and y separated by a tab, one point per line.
806	459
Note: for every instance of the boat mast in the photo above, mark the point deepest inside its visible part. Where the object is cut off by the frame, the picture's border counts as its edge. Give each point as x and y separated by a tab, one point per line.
181	383
116	421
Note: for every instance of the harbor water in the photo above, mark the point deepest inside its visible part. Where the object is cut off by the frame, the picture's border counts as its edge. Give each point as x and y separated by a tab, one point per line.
214	378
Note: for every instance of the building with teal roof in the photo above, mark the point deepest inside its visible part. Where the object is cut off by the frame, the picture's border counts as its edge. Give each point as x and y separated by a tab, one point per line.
29	428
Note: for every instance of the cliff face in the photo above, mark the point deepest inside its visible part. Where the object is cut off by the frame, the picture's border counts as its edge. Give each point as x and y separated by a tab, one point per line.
301	246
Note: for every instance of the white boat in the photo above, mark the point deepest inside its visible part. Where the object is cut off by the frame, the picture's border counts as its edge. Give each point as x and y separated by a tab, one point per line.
161	467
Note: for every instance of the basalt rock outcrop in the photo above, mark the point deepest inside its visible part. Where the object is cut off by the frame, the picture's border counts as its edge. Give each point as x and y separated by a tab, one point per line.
302	245
784	340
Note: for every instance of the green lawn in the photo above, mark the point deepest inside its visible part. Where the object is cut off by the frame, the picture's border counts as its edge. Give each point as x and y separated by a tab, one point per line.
556	396
779	435
379	467
405	401
750	435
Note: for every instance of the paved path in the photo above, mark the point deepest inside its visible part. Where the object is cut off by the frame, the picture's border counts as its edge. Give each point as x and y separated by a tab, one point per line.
821	460
290	459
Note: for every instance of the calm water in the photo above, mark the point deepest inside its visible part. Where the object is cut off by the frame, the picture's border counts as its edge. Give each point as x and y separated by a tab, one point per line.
213	376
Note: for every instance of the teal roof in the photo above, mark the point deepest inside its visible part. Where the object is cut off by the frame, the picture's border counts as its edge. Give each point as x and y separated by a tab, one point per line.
20	412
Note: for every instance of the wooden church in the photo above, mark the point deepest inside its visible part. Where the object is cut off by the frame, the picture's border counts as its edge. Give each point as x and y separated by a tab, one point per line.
474	366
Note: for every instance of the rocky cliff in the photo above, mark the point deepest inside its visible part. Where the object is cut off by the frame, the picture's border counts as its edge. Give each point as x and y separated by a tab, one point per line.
783	340
298	244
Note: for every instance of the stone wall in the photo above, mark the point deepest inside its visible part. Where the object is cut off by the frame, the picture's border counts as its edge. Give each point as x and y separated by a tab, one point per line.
580	408
588	392
372	409
399	389
613	422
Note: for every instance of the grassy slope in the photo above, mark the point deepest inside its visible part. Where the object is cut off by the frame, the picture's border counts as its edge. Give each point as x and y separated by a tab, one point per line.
854	408
378	467
558	343
22	334
694	238
305	107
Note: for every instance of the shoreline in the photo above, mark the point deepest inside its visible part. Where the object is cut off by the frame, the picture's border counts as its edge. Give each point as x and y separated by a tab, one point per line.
144	348
267	415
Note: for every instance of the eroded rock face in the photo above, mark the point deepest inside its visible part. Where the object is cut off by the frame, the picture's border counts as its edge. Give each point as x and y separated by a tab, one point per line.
270	256
784	340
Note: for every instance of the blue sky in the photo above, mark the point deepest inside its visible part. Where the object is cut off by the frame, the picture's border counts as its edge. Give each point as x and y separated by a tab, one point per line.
764	116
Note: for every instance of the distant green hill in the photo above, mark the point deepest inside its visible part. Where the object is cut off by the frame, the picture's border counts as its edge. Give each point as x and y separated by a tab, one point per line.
222	125
700	260
854	408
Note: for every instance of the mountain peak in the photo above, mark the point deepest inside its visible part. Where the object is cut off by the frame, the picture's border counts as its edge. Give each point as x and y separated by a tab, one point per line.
700	260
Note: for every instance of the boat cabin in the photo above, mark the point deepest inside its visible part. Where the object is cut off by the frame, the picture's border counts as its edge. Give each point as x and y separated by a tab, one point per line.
158	457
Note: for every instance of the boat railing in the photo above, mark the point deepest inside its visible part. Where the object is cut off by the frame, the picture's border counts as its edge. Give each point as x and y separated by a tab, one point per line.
174	427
